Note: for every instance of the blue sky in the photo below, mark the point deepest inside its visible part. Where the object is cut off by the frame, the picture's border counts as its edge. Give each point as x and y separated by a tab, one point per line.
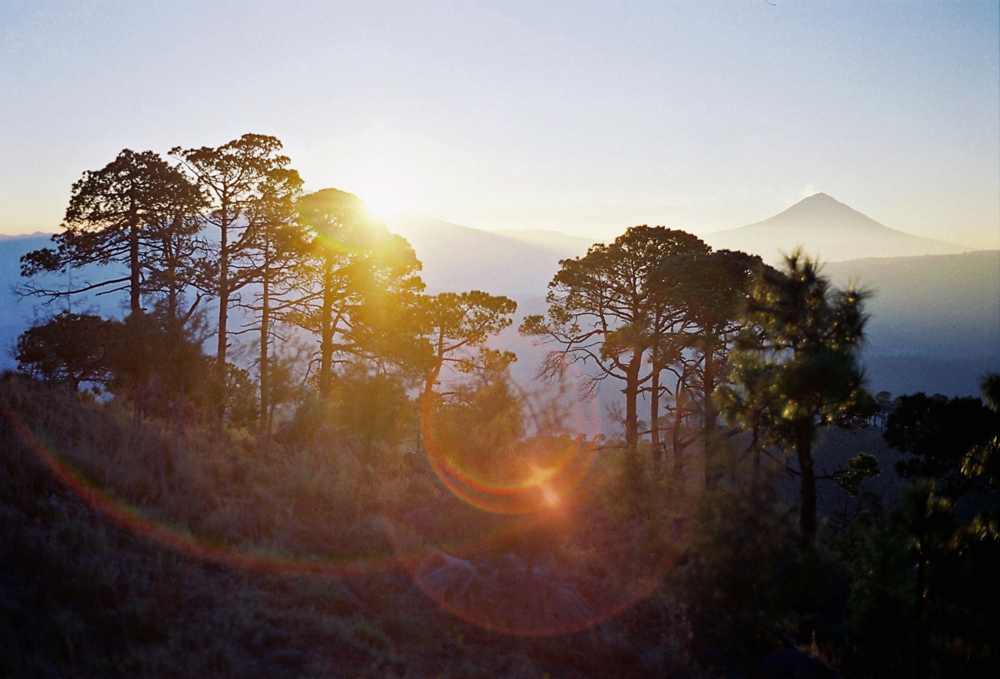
574	116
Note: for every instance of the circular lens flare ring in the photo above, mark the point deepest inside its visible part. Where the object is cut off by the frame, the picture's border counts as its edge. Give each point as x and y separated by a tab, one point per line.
540	485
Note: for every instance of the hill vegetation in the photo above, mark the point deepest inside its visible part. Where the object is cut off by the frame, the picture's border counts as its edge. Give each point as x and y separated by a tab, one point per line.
350	483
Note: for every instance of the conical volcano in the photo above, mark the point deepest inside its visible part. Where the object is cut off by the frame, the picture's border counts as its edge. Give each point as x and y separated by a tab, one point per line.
825	227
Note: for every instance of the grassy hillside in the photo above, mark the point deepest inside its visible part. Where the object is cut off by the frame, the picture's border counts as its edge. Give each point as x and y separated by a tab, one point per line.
135	549
132	550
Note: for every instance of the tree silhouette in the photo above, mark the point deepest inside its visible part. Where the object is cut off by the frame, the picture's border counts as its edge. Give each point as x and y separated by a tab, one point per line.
710	290
797	364
157	366
458	324
276	244
236	178
937	435
68	349
120	214
602	307
360	280
802	350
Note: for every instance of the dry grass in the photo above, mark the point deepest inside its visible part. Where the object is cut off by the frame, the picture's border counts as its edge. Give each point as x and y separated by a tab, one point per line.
131	550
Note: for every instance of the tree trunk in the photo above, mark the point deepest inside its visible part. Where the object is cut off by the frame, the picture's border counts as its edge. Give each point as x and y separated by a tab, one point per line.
265	320
654	416
326	333
708	420
172	262
678	439
807	487
223	288
921	656
631	403
220	354
133	247
807	524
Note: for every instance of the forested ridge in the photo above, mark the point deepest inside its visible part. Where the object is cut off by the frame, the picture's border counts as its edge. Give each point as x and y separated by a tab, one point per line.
285	458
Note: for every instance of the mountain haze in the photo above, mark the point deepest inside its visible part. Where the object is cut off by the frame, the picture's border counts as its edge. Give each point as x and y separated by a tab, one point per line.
935	319
515	263
826	228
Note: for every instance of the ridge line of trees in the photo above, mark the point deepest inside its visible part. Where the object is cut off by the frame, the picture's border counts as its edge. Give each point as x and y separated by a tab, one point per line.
230	226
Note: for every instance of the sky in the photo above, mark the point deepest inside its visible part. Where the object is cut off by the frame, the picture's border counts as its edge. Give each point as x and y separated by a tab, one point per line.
582	117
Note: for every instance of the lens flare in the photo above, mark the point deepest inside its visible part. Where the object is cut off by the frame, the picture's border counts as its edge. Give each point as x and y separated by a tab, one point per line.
513	490
571	553
142	522
552	547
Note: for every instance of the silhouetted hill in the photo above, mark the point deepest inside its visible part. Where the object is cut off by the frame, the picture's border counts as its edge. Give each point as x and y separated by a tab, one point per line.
935	320
935	323
947	306
515	263
826	227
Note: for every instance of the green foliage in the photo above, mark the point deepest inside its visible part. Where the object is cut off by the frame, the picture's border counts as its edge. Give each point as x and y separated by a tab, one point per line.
370	407
457	325
237	397
740	577
796	365
480	426
924	586
155	363
860	467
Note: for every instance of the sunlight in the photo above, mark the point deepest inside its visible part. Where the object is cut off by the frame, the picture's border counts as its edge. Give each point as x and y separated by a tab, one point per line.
541	479
385	185
383	200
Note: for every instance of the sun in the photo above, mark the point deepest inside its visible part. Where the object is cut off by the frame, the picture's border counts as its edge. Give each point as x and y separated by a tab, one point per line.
382	201
387	193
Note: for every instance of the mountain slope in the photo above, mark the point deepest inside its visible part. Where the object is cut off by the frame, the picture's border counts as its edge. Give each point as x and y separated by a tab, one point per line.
946	306
513	263
934	321
827	228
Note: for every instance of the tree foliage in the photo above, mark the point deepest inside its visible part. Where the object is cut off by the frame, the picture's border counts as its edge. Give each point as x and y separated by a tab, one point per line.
361	284
601	306
937	435
67	349
243	180
458	324
128	212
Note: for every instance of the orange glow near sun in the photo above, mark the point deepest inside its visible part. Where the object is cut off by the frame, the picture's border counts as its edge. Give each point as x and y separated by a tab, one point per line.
383	201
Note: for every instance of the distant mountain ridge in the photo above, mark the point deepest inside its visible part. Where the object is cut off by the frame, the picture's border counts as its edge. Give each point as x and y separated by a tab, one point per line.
515	263
829	229
935	319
